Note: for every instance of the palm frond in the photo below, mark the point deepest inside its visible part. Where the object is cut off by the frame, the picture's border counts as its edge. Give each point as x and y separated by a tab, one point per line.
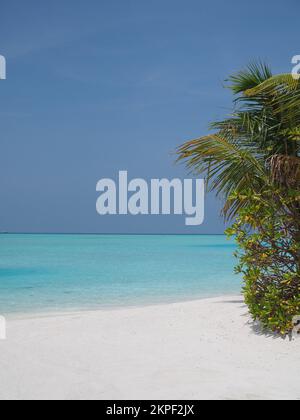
279	84
229	166
284	92
255	74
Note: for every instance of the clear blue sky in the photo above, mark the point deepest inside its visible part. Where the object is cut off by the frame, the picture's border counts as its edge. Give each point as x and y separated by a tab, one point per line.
98	86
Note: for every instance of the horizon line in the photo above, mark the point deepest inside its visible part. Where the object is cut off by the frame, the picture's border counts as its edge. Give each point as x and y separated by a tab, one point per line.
112	234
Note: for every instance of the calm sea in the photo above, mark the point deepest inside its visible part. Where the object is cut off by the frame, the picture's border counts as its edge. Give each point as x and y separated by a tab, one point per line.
42	273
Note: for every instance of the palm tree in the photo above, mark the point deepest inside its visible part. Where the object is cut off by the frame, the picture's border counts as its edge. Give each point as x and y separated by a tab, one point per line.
256	145
252	158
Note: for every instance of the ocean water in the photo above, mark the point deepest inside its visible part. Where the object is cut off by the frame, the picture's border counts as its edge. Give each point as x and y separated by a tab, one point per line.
45	273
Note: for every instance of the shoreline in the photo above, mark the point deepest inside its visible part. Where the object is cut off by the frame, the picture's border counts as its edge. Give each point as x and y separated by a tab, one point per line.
202	349
18	316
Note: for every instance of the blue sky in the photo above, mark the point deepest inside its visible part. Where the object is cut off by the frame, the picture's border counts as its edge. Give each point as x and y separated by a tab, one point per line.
100	86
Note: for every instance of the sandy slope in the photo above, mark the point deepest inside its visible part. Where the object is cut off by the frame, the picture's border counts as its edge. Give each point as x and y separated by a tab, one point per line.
195	350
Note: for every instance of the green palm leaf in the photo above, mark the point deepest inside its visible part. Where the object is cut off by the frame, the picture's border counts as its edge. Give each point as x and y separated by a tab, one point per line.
229	167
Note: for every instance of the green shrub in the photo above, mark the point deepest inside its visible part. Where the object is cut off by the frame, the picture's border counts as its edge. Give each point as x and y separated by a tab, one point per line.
267	231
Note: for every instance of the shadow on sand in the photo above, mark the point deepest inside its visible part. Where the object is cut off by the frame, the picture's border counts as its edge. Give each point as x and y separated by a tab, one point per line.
258	329
256	326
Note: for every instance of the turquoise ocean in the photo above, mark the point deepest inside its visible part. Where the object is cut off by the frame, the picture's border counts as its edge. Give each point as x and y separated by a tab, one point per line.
51	273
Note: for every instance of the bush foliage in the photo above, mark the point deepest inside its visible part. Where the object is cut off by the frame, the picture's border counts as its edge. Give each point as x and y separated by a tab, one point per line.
267	231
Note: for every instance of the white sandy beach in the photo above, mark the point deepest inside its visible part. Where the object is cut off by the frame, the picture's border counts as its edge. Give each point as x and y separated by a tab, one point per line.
204	349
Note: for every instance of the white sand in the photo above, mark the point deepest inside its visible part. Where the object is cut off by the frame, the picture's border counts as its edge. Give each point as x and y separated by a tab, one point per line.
196	350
